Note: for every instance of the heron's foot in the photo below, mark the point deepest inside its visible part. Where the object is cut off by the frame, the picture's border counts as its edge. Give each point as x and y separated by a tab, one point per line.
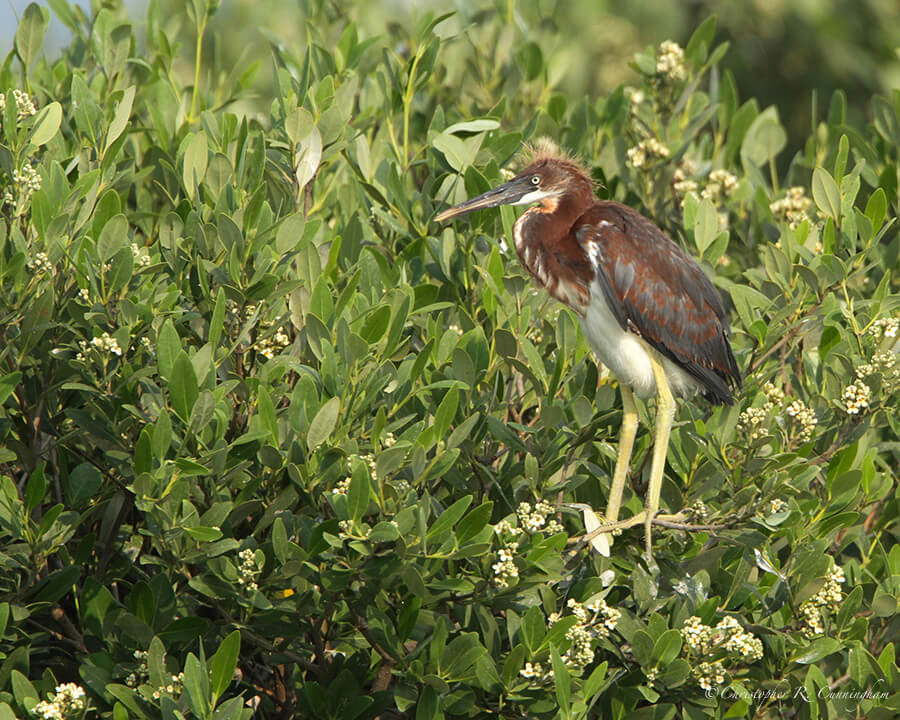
600	533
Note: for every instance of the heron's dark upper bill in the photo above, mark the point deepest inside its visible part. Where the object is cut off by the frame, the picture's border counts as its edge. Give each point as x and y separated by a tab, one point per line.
505	194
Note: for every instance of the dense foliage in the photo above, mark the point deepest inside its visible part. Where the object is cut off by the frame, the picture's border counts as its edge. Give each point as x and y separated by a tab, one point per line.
272	440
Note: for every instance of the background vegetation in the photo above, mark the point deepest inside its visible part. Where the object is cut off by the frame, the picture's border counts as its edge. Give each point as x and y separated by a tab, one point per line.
272	441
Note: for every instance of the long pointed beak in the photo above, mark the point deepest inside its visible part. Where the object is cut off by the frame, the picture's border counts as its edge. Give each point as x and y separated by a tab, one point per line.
505	194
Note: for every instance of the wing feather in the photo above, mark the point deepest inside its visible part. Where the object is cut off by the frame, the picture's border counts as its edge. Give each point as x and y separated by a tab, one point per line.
656	289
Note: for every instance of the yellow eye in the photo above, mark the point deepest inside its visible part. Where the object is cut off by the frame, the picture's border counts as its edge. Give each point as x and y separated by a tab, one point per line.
535	179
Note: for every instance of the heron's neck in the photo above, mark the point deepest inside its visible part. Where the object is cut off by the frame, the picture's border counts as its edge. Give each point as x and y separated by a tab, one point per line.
546	225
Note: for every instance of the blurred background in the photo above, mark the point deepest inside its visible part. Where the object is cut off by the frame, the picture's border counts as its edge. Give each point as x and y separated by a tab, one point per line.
782	52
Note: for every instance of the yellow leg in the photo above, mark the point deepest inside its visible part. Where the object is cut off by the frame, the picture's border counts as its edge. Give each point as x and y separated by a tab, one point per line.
665	414
626	443
627	432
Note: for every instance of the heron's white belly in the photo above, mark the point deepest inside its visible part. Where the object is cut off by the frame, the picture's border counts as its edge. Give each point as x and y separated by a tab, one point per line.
626	354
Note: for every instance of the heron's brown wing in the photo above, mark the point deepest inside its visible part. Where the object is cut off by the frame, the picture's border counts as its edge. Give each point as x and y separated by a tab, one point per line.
655	289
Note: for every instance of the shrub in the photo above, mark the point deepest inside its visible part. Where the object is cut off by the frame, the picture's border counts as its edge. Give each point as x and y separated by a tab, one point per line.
274	441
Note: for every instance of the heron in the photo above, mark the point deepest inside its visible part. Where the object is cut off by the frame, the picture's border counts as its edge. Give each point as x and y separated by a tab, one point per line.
646	308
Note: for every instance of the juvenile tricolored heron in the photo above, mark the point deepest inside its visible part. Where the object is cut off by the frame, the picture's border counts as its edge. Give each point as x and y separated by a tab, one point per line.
650	314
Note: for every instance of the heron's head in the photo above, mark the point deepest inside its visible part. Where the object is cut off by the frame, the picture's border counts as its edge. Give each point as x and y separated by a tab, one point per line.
549	176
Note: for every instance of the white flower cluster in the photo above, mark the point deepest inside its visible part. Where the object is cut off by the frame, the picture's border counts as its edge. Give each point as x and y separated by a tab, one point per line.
755	420
884	326
401	485
646	150
67	701
856	397
728	636
670	61
172	688
535	672
682	178
141	256
595	619
699	510
40	263
24	105
143	670
369	460
348	531
270	345
805	417
710	674
25	183
455	328
105	343
342	487
84	294
777	505
536	520
505	569
792	207
248	570
721	184
389	440
830	597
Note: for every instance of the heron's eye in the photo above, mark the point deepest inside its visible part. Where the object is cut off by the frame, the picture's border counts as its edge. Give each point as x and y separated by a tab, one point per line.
535	179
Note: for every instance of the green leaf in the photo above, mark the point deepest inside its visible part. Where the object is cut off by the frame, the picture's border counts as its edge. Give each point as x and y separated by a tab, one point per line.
816	651
376	324
162	435
84	484
267	413
474	522
196	684
8	384
168	347
46	124
765	138
217	320
223	664
30	33
113	237
876	208
642	645
698	46
204	534
428	707
183	388
667	647
448	518
454	150
359	490
460	655
562	682
23	690
706	225
595	681
826	194
534	627
445	413
530	59
34	489
323	423
120	118
196	158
